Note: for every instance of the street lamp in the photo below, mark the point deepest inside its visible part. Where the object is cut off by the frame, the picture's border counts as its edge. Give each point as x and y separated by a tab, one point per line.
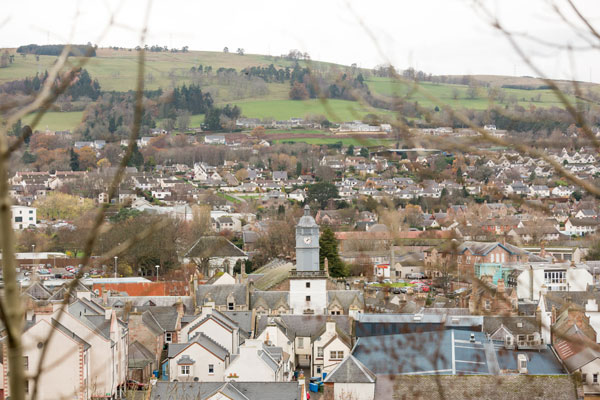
116	266
33	248
157	267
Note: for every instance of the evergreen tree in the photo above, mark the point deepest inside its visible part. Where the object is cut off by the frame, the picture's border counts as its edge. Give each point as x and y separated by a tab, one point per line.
350	151
459	175
74	162
137	159
329	250
364	152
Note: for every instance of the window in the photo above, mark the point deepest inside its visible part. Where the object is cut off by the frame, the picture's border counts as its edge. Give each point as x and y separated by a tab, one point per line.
27	386
488	304
168	337
26	363
307	284
307	298
555	277
211	369
320	352
18	219
521	338
337	355
595	379
584	378
318	370
185	370
230	306
300	343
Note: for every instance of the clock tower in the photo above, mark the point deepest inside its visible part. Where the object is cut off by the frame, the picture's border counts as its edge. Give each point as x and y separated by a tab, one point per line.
307	243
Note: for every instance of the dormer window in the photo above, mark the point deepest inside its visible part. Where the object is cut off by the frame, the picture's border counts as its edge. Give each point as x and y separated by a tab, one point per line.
230	306
168	337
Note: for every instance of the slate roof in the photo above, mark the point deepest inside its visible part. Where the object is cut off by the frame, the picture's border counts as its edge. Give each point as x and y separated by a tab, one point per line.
483	248
572	298
244	319
346	298
70	334
204	341
214	246
305	325
142	303
218	317
38	292
528	324
165	317
475	387
139	356
234	390
219	293
62	292
350	370
271	299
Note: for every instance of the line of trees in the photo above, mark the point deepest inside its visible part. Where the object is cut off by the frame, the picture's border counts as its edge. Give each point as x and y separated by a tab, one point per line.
77	50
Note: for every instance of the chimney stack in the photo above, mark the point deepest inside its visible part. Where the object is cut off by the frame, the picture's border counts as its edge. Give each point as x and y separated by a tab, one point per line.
501	287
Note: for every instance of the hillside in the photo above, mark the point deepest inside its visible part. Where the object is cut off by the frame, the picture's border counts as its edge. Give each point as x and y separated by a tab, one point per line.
115	70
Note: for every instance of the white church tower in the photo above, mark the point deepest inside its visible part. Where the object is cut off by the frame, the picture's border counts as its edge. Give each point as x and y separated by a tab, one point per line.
308	284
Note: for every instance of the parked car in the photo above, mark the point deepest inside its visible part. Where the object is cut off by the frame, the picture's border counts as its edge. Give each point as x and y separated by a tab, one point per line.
397	290
415	275
135	385
423	288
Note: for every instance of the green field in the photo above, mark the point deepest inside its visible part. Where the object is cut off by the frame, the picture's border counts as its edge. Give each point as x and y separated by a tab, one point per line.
228	197
444	92
117	69
335	110
56	121
296	131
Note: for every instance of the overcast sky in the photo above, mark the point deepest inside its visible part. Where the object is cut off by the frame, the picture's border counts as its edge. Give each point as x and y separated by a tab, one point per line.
436	36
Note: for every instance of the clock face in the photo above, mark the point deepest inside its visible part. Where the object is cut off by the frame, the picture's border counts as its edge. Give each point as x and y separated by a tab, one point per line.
307	240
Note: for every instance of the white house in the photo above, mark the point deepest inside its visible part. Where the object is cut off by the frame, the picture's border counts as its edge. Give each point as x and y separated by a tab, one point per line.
202	359
214	325
23	217
258	362
329	349
534	279
92	346
66	364
351	379
214	139
581	226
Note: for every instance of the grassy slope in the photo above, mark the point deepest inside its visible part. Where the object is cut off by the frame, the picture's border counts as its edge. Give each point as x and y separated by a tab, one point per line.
116	71
334	110
388	87
56	121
